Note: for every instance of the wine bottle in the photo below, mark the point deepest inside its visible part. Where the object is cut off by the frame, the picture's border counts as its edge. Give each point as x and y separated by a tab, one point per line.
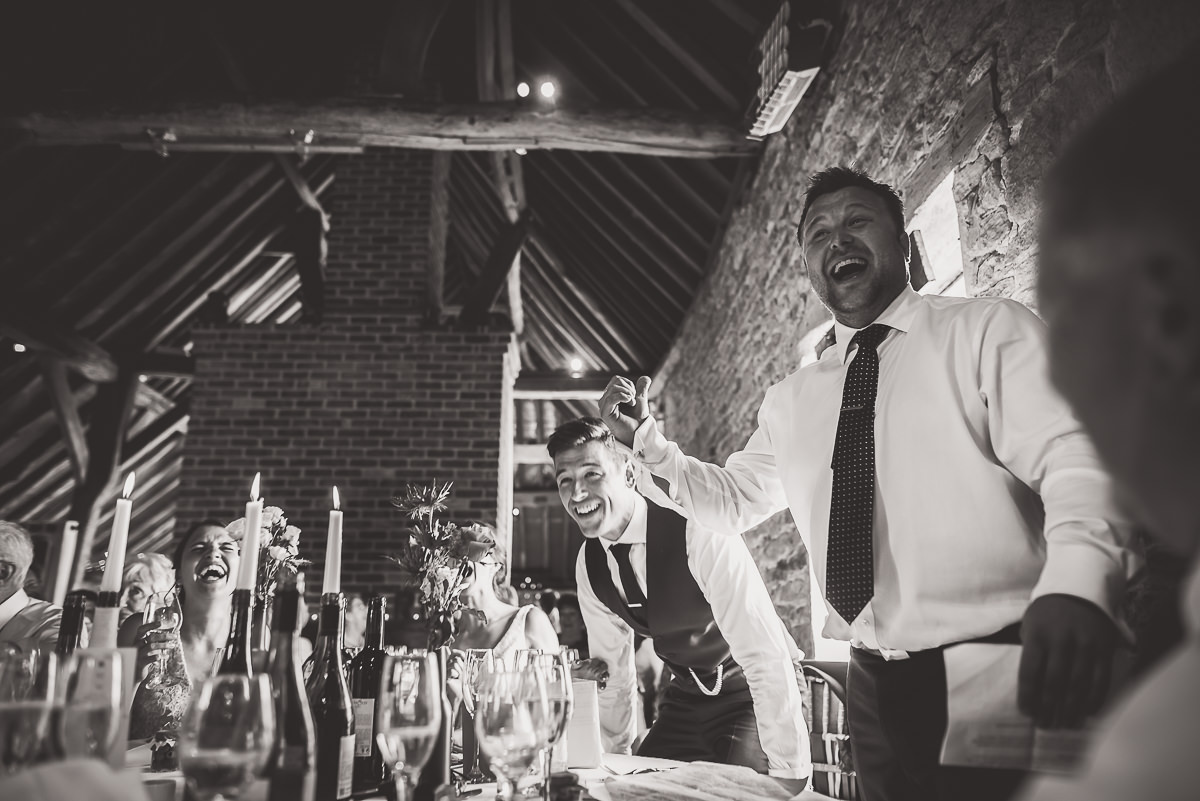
329	700
71	629
236	658
364	671
291	768
437	770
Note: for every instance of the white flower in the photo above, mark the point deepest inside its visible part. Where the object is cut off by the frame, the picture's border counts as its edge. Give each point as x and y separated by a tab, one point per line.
237	528
278	553
292	535
272	515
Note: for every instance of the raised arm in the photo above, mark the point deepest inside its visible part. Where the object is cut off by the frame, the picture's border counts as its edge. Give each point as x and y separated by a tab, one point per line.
729	499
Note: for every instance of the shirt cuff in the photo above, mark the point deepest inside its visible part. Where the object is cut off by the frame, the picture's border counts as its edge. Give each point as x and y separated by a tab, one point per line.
649	445
789	773
1079	569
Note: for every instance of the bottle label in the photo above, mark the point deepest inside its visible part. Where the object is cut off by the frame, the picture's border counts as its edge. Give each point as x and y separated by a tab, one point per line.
364	726
345	784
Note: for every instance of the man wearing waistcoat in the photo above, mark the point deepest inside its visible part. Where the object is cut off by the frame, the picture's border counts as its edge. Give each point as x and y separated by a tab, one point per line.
24	622
646	570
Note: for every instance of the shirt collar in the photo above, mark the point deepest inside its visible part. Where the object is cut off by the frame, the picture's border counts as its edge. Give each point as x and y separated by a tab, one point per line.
14	604
898	315
635	531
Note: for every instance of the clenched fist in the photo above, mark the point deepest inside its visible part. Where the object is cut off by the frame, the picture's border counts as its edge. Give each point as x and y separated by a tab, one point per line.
624	406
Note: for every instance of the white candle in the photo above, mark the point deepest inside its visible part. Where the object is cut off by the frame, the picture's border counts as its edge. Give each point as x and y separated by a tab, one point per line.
118	541
333	548
248	573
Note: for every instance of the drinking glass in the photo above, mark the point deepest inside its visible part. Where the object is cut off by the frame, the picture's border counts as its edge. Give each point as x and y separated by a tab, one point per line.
409	716
226	735
513	724
556	677
26	703
162	608
479	661
89	712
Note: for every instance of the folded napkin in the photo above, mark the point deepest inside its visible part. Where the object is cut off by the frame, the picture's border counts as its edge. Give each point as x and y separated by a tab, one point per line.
72	780
703	781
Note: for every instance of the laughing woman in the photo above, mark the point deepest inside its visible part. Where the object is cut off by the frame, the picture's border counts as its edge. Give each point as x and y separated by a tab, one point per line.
206	564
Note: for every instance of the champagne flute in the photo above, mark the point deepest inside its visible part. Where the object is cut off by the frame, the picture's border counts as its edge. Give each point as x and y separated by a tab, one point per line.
226	735
513	725
25	706
409	716
479	661
89	718
162	608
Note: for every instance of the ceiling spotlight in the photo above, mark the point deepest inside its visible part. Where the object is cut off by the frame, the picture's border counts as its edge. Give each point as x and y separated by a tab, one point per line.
142	378
520	151
516	512
522	89
548	89
576	365
18	347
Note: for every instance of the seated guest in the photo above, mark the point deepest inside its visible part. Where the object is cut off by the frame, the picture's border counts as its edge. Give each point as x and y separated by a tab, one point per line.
206	566
1119	285
646	570
572	632
503	627
354	631
25	623
145	574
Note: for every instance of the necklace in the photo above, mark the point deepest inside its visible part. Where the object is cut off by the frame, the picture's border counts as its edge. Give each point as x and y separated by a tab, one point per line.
716	690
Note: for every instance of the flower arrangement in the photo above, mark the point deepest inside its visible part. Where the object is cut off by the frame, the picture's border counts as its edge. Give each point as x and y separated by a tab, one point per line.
439	555
279	550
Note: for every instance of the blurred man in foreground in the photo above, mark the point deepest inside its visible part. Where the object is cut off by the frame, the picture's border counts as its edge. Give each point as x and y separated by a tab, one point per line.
1120	289
24	622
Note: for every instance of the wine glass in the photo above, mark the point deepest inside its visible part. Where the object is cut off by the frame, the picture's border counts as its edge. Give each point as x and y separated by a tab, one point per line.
89	718
556	677
410	715
513	724
26	703
226	735
162	608
478	662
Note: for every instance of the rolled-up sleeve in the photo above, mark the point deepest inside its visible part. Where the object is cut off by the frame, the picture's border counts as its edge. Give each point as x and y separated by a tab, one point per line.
729	499
1089	541
611	640
760	644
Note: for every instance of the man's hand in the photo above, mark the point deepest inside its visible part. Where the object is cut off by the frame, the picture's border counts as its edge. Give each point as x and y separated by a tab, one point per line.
1066	658
624	406
592	669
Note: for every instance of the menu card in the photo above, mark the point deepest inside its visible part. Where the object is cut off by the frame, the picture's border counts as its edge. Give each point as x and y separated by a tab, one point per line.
583	732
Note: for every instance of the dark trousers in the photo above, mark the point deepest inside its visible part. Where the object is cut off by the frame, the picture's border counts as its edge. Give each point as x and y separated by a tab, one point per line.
896	712
692	726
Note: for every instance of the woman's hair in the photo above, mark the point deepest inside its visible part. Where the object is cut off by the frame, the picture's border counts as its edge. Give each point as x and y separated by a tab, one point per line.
157	569
500	585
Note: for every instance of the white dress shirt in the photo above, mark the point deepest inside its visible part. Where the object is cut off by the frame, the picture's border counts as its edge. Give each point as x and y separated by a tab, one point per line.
1147	746
11	606
987	492
742	608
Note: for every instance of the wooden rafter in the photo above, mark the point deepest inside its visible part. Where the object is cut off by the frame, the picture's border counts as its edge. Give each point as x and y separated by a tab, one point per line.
36	333
484	293
54	374
383	122
560	386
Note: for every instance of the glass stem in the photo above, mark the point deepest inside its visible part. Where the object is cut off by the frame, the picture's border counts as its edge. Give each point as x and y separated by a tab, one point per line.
403	785
548	755
505	789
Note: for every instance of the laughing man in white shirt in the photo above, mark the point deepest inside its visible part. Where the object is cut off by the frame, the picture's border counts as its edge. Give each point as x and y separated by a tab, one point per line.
698	595
920	393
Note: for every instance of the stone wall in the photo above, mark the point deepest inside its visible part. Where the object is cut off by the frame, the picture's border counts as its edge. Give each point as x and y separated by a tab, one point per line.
915	89
369	400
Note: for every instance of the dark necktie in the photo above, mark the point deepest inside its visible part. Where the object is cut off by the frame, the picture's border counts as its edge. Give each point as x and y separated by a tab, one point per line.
634	598
849	562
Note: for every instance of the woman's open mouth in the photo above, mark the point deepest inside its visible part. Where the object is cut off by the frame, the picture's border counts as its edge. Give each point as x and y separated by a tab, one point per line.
212	573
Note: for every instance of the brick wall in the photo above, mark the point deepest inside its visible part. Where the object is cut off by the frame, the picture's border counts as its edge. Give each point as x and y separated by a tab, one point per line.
915	89
369	400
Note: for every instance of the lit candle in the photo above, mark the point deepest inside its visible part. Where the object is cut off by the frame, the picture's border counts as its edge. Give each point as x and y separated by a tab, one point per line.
333	548
248	573
118	540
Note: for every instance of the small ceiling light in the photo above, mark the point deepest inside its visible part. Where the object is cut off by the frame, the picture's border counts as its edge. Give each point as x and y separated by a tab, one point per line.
522	89
142	378
18	347
548	89
576	365
516	512
520	151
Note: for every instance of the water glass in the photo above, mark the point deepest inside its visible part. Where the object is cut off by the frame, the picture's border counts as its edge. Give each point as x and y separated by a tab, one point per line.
88	713
26	705
226	735
409	716
513	723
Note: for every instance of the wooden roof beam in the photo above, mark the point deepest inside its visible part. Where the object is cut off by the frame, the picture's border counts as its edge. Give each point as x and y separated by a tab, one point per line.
486	291
385	122
72	349
54	373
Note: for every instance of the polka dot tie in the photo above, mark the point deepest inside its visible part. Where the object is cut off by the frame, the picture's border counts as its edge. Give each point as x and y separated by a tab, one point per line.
849	562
